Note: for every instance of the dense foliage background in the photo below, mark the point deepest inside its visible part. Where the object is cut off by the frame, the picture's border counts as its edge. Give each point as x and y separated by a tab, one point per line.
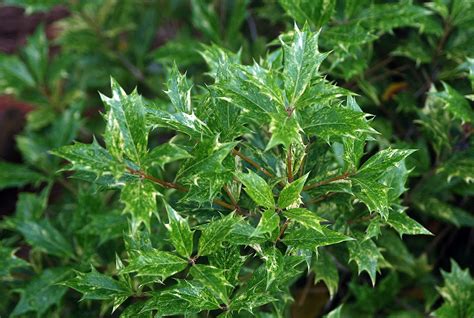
97	232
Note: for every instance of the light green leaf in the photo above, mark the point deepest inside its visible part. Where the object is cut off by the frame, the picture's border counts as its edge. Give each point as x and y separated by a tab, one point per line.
457	293
94	285
269	221
181	235
373	194
290	194
228	259
90	158
325	270
213	279
179	91
378	164
41	293
125	132
215	233
316	12
257	189
163	154
285	131
185	123
139	197
404	224
15	175
155	263
459	165
334	122
305	217
308	238
185	298
455	103
302	60
367	257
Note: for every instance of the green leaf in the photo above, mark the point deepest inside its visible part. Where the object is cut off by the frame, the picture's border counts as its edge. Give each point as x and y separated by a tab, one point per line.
41	293
179	91
139	197
185	298
444	211
230	260
455	104
155	263
367	257
305	217
334	122
302	60
285	131
90	158
403	224
257	189
457	293
290	195
185	123
15	175
97	286
316	12
308	238
9	261
213	279
180	234
215	233
372	193
325	270
268	223
459	165
164	154
45	237
125	132
377	165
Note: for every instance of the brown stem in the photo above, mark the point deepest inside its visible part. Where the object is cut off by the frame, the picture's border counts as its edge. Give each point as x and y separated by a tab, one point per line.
170	185
254	164
289	166
321	198
343	176
233	200
283	229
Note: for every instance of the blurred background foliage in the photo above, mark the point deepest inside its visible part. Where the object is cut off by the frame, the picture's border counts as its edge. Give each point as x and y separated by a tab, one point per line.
410	63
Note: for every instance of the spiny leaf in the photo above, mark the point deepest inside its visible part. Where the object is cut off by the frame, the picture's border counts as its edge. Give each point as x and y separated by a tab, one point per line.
164	154
185	298
179	91
291	193
181	235
403	224
268	223
302	60
373	194
312	239
90	158
94	285
215	233
334	122
125	132
155	263
378	164
139	197
257	189
367	256
213	279
455	103
325	270
305	217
